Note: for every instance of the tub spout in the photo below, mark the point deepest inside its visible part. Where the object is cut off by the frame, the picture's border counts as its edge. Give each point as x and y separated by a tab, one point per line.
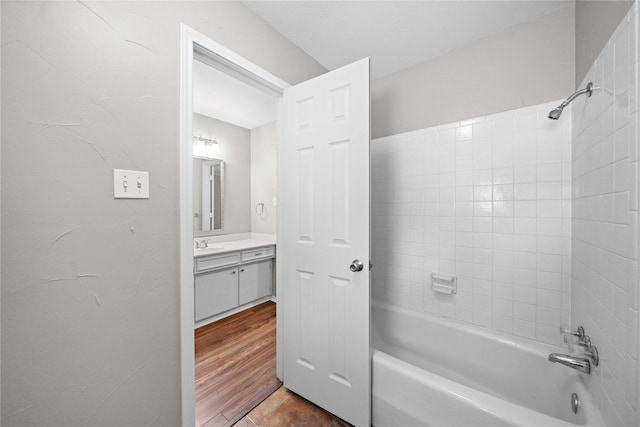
578	363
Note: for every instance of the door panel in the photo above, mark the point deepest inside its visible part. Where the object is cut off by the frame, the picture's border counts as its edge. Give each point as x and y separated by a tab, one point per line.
255	281
326	226
215	292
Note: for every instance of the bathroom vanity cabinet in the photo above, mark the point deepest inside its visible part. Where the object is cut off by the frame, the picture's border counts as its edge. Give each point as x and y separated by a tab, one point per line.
226	281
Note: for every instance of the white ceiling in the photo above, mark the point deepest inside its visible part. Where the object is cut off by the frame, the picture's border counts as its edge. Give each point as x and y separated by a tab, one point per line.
395	34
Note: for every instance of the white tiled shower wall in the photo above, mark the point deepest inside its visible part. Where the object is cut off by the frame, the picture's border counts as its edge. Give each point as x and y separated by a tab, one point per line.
486	200
605	222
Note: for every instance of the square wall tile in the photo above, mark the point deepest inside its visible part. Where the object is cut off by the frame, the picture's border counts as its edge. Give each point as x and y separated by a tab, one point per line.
604	231
485	201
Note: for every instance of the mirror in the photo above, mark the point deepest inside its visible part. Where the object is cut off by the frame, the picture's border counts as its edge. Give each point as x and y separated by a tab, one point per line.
208	196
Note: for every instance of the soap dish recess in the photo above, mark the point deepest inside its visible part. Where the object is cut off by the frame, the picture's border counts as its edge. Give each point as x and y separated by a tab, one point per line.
444	284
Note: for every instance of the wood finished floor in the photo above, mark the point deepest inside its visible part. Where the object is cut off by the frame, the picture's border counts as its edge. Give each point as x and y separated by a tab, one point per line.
286	409
235	365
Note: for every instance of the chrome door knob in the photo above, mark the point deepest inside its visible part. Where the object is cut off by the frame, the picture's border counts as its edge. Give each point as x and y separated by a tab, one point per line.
356	265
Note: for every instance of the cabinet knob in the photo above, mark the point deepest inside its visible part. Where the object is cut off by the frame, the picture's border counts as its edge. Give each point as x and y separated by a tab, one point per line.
233	272
242	270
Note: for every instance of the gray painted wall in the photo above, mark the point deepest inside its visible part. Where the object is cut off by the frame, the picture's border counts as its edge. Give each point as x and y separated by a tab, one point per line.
90	285
235	150
263	177
525	65
595	22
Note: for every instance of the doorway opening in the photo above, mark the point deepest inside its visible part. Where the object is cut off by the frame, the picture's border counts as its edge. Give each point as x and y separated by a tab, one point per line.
216	209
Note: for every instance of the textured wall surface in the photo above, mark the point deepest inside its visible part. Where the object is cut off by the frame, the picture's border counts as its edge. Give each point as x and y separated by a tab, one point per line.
263	177
235	150
526	65
605	222
486	200
90	285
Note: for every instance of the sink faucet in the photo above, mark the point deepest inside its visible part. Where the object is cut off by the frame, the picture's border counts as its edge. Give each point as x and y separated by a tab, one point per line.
200	245
578	363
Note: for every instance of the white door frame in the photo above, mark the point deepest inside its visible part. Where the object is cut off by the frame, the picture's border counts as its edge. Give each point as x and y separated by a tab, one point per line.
195	44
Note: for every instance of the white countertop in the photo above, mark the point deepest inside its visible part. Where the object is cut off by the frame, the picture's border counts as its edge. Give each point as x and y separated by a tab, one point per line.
233	243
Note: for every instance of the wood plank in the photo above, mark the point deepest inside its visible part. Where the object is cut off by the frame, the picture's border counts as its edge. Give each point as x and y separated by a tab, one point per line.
235	365
218	421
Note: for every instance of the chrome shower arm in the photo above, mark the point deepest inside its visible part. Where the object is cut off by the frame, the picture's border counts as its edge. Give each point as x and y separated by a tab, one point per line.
555	114
588	90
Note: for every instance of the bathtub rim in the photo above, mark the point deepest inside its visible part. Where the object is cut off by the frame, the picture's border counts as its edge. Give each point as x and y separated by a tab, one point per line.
528	345
508	412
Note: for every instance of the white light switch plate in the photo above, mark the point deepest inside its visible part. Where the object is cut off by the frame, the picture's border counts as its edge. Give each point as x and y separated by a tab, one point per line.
130	184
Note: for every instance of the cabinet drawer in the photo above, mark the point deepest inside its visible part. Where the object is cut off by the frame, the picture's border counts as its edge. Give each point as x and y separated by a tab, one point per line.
211	262
257	253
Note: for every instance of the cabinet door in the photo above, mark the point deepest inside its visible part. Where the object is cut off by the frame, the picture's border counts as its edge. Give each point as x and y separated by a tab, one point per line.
216	292
255	281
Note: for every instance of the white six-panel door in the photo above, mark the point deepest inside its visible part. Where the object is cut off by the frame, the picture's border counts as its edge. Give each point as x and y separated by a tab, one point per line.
326	227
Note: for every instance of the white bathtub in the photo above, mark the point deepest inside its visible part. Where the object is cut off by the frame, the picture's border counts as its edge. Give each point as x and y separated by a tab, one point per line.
428	371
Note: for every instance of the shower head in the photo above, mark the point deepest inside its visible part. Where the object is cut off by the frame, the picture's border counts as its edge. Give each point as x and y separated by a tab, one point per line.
555	114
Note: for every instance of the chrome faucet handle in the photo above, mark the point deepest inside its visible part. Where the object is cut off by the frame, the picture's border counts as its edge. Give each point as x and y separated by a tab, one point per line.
204	244
584	341
196	244
590	350
592	353
577	333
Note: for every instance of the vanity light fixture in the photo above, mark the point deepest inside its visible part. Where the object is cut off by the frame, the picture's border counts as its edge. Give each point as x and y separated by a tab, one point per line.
204	148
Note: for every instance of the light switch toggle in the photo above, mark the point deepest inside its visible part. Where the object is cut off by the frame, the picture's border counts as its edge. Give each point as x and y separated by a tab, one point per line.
122	189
